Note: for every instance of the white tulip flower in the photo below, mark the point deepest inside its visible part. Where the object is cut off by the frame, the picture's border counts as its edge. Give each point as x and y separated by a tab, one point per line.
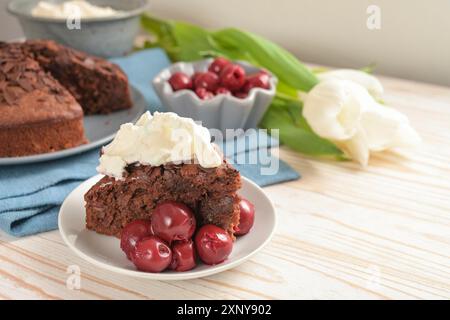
360	77
344	112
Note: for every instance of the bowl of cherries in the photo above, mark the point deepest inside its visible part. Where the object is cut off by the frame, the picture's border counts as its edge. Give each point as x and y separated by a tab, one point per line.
172	240
220	93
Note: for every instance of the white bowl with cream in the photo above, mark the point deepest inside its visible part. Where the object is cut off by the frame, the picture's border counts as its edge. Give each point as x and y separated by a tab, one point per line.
105	28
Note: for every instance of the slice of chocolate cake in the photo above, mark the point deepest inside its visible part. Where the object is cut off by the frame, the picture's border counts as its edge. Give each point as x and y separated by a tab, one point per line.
210	193
98	85
148	163
37	114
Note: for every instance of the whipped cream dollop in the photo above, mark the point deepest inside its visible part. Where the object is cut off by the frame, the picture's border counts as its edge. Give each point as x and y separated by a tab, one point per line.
157	140
70	9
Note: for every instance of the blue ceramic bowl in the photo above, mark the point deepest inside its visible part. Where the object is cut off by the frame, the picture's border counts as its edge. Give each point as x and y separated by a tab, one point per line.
104	37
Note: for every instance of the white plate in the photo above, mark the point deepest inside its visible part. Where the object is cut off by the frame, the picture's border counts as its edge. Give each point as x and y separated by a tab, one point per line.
99	130
104	251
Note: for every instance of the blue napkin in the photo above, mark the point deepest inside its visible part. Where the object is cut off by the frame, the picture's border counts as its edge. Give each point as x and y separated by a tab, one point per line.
30	195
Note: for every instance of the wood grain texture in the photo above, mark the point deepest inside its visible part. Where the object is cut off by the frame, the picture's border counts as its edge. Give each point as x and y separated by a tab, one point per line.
343	233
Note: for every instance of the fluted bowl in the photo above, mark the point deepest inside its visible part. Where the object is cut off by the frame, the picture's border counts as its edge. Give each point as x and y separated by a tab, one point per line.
221	112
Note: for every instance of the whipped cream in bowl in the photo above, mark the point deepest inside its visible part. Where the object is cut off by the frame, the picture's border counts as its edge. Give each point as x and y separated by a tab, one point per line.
156	140
70	9
101	28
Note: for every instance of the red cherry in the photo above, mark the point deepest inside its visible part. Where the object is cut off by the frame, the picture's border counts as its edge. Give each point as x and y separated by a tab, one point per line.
132	233
213	244
194	76
207	80
151	255
232	77
218	64
204	94
222	90
183	256
247	217
241	94
180	81
173	221
259	80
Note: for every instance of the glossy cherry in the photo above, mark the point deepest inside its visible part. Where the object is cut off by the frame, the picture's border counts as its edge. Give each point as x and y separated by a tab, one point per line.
194	76
232	77
247	217
173	221
204	94
207	80
218	65
223	90
132	233
258	80
151	255
213	244
183	256
180	81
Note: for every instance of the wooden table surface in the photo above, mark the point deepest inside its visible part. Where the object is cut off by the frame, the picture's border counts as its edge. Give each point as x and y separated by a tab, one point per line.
378	233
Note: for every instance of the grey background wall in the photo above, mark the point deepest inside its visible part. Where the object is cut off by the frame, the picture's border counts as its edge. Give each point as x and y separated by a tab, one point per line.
9	27
413	41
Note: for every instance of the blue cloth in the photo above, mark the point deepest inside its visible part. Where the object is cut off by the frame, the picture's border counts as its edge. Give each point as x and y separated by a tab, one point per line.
30	195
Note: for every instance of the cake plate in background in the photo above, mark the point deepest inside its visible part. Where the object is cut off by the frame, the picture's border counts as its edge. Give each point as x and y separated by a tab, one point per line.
99	130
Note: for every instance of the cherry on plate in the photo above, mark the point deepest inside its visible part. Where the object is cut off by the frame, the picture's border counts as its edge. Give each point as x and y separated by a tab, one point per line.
213	244
180	81
207	80
132	233
183	256
247	217
204	94
173	221
232	77
218	64
223	90
151	255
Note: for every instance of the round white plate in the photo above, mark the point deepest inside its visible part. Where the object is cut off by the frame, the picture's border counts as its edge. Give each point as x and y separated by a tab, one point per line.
104	251
99	130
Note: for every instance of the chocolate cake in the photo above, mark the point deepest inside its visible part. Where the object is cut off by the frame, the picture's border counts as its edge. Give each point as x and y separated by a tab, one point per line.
37	114
98	85
44	88
210	192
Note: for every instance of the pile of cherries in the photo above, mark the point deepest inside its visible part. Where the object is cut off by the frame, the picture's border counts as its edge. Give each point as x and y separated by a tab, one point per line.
170	239
222	77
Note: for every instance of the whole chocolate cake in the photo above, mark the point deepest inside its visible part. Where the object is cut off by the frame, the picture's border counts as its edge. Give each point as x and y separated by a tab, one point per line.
98	85
37	114
44	88
162	158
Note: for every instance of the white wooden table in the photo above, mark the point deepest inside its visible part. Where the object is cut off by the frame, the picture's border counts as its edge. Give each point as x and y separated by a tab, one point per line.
381	233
